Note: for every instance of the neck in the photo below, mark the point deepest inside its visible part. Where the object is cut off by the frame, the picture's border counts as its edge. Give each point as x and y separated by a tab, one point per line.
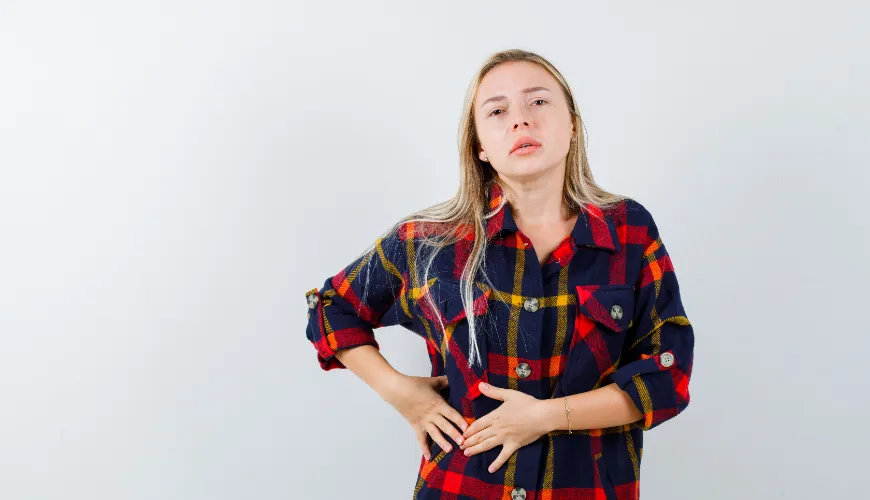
537	202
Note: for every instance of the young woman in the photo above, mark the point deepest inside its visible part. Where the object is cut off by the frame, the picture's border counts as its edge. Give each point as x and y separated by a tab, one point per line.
549	306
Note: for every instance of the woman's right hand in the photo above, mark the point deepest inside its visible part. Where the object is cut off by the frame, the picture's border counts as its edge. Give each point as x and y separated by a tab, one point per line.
418	400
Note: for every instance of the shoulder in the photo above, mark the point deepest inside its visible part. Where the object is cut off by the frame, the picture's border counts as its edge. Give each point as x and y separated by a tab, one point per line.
433	231
628	212
415	237
634	214
635	221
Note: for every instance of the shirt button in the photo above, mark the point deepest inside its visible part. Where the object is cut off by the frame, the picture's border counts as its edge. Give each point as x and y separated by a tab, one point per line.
312	301
531	304
667	359
523	370
616	312
518	494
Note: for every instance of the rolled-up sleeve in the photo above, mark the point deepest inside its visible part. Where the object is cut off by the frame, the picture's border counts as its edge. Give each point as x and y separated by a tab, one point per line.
658	358
368	293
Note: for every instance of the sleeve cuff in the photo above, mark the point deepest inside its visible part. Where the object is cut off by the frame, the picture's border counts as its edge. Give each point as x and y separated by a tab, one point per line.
650	385
327	341
343	339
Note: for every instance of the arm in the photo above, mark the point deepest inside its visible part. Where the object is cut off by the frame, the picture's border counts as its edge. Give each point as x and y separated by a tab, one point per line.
371	292
367	362
651	384
607	406
659	351
368	293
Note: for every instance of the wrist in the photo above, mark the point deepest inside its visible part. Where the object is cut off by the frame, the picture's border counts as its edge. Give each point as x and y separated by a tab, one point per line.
389	386
553	414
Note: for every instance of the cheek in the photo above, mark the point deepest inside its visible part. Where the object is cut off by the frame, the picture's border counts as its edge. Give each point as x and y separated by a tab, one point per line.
561	146
559	141
489	138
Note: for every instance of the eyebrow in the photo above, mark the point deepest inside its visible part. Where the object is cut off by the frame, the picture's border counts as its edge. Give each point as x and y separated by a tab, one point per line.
524	91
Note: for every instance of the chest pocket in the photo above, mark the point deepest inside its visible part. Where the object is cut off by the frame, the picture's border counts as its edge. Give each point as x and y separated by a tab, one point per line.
603	316
453	340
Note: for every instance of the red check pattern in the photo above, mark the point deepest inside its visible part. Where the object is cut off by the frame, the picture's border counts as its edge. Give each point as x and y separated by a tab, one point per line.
603	308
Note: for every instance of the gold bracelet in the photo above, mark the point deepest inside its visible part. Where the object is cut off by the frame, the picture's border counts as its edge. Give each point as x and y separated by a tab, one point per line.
568	414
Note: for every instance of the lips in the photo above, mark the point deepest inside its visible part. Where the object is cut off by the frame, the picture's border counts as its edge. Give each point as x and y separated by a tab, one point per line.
524	140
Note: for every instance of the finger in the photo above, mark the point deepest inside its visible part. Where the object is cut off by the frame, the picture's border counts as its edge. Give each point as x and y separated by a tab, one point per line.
478	437
506	452
448	428
421	440
487	444
433	431
454	416
477	426
441	382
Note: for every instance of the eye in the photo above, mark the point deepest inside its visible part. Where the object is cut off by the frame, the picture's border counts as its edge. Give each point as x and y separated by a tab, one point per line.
492	113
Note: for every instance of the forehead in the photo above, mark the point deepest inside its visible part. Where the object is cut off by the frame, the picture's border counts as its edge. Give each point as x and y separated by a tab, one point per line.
511	77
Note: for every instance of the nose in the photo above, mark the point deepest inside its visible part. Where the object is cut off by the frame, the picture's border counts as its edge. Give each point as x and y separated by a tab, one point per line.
524	120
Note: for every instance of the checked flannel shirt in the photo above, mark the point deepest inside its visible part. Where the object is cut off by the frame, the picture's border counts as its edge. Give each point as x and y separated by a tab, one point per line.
605	307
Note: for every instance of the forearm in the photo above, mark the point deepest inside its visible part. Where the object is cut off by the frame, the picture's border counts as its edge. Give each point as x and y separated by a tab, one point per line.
607	406
366	362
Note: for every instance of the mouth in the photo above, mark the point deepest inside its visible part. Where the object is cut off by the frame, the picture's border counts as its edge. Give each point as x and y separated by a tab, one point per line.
525	145
525	150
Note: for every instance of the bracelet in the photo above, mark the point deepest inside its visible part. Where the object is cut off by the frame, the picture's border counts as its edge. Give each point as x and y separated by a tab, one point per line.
568	415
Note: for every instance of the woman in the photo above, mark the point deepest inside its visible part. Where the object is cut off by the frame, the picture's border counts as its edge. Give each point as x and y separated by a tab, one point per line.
549	306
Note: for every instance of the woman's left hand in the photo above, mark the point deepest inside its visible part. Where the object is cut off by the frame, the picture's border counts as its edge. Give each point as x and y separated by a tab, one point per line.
516	423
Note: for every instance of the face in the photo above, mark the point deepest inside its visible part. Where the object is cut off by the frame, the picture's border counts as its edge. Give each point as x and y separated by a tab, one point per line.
541	114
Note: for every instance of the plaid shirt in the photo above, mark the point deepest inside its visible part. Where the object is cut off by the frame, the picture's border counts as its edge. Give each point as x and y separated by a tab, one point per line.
605	307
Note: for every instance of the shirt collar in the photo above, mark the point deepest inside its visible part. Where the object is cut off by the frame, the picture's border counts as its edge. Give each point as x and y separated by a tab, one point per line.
592	228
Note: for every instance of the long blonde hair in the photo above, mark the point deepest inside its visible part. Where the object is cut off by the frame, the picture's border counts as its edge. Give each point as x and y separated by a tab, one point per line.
467	210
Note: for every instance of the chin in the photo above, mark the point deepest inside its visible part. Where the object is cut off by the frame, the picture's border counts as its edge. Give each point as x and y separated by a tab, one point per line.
527	167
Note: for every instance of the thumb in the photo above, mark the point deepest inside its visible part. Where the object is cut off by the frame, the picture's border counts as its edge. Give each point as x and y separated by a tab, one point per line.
492	391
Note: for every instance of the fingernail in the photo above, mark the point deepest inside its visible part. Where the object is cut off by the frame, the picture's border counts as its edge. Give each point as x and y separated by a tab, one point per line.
467	452
492	469
459	440
483	385
426	456
447	448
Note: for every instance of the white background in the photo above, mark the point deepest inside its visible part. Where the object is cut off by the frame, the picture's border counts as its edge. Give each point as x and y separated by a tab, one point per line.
176	175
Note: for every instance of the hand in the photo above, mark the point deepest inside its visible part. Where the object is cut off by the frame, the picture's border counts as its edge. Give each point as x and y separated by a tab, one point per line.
418	400
514	424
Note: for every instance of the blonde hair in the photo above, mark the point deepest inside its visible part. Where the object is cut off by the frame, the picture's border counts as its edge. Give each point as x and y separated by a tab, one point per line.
467	210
